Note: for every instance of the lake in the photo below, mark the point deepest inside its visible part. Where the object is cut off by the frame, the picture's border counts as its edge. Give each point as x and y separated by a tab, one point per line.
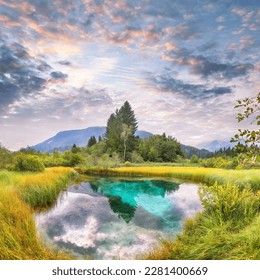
112	218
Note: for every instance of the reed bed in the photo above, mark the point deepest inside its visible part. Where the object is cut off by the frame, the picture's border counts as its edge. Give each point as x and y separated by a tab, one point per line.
20	195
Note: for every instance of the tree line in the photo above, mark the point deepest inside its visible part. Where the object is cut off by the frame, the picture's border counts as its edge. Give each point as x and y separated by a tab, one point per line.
120	144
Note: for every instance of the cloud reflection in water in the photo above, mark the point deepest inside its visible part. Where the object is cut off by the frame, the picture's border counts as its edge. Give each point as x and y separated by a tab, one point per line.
118	219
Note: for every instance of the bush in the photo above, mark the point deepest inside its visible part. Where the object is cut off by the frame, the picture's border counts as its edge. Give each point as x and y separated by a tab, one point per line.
32	163
220	162
136	157
71	160
194	159
228	204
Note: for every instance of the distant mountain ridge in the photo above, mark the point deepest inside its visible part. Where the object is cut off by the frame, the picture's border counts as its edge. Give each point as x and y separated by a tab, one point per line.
64	140
189	151
216	145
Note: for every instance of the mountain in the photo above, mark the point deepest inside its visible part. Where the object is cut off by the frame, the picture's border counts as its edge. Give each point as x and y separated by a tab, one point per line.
216	145
64	140
143	134
189	151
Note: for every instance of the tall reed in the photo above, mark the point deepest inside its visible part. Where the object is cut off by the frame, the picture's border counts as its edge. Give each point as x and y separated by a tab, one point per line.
20	193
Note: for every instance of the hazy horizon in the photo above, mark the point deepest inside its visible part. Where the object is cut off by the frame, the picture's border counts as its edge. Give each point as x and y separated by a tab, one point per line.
68	65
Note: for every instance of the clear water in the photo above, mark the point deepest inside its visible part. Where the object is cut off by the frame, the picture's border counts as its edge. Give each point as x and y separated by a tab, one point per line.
117	218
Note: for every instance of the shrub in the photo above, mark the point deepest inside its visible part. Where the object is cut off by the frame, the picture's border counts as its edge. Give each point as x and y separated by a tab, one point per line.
227	203
70	159
136	157
194	159
24	162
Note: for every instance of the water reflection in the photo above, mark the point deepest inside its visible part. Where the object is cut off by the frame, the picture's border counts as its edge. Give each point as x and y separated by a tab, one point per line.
118	218
123	210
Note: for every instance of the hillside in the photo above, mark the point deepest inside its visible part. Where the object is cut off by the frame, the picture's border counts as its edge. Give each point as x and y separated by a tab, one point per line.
65	139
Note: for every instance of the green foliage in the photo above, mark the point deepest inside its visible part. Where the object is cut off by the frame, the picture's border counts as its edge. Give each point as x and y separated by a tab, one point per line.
98	149
190	151
6	157
127	164
136	157
194	159
92	141
24	162
228	204
71	159
251	110
160	148
75	149
221	162
120	130
127	116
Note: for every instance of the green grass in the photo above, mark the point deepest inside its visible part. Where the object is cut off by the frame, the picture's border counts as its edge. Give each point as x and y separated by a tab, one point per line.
228	228
20	195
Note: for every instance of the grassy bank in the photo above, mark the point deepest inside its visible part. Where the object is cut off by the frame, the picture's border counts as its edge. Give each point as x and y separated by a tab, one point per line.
228	228
205	175
20	195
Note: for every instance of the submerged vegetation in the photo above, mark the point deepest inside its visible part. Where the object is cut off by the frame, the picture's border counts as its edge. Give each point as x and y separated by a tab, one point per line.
20	195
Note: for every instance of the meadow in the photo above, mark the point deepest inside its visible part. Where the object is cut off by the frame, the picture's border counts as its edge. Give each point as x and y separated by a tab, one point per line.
21	194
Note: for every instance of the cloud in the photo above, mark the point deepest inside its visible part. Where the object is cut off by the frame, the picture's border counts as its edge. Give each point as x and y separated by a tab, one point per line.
58	76
65	63
77	60
206	67
23	75
165	82
9	92
184	31
64	102
20	74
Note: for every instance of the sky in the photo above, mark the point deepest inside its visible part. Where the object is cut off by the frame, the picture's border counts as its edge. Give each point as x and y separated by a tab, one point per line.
181	64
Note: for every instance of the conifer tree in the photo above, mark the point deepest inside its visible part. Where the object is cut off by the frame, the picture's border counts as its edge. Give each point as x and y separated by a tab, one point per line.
120	130
92	141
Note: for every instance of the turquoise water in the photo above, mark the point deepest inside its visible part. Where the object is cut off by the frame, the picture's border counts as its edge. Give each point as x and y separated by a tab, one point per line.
117	218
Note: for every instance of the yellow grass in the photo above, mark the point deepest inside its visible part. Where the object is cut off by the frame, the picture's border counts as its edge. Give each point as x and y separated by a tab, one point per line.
205	175
19	194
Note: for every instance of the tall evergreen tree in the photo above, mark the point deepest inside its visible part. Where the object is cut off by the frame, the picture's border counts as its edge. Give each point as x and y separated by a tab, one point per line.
120	130
92	141
128	116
